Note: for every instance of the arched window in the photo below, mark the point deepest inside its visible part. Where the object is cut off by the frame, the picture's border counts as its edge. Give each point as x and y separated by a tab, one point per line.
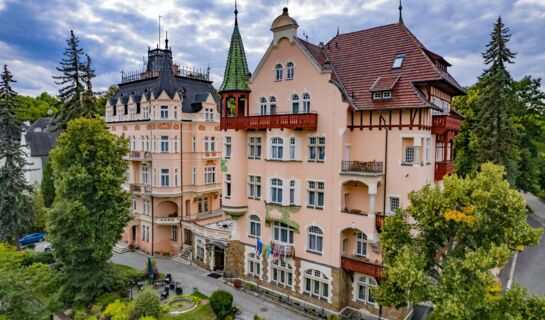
254	265
276	191
278	72
361	245
277	148
306	102
364	285
255	226
294	103
263	106
272	105
282	273
282	232
290	70
316	284
315	239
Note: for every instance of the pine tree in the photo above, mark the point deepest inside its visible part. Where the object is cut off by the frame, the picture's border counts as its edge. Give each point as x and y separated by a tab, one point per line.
15	201
496	137
76	84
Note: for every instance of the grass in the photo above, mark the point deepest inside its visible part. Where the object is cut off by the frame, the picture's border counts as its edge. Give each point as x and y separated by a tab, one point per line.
201	312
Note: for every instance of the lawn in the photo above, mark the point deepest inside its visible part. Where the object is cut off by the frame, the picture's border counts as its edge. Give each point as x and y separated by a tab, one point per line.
201	312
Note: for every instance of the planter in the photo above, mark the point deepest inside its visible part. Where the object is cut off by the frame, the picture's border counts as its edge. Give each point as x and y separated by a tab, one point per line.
237	284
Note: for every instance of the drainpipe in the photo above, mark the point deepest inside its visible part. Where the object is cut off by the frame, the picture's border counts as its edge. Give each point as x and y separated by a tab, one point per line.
181	181
385	162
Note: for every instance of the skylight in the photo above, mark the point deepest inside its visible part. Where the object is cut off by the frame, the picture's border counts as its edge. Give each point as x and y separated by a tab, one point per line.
398	61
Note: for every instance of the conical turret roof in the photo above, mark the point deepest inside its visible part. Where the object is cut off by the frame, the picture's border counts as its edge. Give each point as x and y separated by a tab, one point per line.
236	70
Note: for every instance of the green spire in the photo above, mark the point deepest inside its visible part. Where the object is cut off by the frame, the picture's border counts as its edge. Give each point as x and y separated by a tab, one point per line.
236	70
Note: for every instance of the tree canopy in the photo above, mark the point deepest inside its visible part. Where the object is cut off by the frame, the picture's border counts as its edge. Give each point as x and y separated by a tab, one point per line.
443	246
90	208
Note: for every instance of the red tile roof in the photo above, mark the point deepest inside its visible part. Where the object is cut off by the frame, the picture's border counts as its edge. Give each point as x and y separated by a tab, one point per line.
363	60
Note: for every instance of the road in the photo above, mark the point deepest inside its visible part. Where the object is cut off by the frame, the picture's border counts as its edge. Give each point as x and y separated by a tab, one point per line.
530	266
193	276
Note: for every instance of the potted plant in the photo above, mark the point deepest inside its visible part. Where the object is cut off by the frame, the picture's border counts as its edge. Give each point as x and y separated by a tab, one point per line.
237	284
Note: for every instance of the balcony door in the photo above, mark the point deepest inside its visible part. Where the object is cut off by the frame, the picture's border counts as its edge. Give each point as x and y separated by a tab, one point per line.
346	153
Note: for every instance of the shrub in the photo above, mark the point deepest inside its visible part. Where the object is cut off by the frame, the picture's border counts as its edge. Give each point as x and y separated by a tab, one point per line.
147	318
222	303
117	311
147	304
332	317
38	257
123	275
107	298
80	314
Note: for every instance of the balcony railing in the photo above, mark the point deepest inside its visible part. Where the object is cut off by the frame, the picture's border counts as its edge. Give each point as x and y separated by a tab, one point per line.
370	167
269	121
168	221
442	169
361	265
139	155
442	123
134	187
211	233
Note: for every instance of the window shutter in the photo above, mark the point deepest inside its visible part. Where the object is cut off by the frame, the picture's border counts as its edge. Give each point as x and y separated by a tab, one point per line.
268	190
268	146
298	192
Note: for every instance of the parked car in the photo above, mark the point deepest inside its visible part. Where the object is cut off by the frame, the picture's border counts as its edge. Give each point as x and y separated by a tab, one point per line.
32	238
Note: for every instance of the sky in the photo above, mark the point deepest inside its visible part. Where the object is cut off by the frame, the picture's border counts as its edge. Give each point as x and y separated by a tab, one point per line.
117	33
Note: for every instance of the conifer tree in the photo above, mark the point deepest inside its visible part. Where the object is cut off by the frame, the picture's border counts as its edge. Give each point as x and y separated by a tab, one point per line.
15	202
75	79
496	137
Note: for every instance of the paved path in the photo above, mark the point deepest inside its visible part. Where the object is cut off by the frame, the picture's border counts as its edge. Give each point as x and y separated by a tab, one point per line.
193	276
530	266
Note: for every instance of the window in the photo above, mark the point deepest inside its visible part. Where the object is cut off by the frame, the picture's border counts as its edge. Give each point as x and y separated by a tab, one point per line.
227	148
282	273
209	115
409	154
154	177
427	153
315	194
277	148
316	149
164	143
202	204
176	177
145	113
294	104
361	244
255	226
194	144
209	175
173	233
292	192
398	61
164	178
377	95
176	144
227	186
194	176
364	285
290	70
208	144
200	250
164	112
254	148
175	112
386	95
278	72
306	102
263	106
316	284
276	191
394	203
292	148
133	203
254	187
315	239
132	114
254	265
272	105
145	175
282	233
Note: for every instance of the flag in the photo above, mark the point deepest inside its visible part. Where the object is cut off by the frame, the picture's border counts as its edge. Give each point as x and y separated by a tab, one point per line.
269	251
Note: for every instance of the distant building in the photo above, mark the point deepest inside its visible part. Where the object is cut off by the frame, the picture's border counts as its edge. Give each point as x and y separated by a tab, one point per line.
321	143
38	140
170	116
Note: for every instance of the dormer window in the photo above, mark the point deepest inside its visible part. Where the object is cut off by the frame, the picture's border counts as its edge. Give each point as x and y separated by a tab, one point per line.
377	95
290	70
398	61
386	95
278	72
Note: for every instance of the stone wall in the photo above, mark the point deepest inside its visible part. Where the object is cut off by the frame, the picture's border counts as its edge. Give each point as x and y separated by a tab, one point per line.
234	260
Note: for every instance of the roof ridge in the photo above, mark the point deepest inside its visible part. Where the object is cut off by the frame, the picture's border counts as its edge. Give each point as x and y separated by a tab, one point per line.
362	30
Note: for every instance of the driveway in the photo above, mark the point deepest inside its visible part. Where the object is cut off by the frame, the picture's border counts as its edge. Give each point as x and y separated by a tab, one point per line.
530	264
193	276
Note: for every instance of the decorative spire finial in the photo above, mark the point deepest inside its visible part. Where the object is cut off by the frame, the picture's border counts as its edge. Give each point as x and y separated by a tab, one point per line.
236	13
166	39
337	31
400	13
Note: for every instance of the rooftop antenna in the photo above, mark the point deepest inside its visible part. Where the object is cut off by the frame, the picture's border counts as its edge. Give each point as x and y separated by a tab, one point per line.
166	39
305	35
159	30
337	31
400	13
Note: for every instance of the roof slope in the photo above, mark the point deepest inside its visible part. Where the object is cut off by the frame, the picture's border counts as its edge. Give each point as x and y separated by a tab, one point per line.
236	69
41	137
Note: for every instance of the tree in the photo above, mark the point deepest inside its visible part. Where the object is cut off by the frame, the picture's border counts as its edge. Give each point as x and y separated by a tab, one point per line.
31	109
40	211
15	202
221	303
147	304
456	235
48	186
104	96
496	137
90	208
76	92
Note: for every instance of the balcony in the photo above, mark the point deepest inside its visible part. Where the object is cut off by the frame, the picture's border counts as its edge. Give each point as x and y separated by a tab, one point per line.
138	155
362	265
442	169
372	168
270	121
379	221
167	221
444	123
212	233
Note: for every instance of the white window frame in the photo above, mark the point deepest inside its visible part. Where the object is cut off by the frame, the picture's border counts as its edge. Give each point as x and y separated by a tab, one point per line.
262	106
164	144
314	190
254	229
364	284
315	239
272	105
164	112
278	72
165	178
377	95
393	199
290	70
282	233
277	148
254	187
282	273
293	148
361	244
228	147
254	265
209	175
174	233
277	191
228	186
398	61
295	104
386	94
316	149
254	147
315	279
410	155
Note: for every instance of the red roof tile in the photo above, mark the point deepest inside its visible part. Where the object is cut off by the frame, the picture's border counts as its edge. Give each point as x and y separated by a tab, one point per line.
385	83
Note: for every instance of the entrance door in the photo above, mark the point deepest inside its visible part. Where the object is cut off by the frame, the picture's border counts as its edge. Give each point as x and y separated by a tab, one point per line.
133	234
188	237
219	256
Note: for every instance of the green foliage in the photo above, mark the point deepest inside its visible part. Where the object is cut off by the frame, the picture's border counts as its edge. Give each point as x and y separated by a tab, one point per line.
47	186
107	298
455	236
123	275
104	96
222	303
38	257
16	213
40	211
333	317
31	109
118	310
147	304
91	209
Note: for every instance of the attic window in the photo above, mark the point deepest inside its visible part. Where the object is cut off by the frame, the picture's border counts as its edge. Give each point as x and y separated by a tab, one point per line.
387	94
377	95
398	61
